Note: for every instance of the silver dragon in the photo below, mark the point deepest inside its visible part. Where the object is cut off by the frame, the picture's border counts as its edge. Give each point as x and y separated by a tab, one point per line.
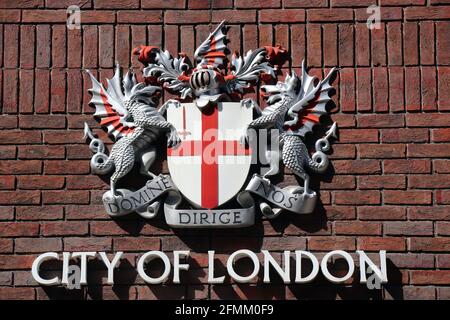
294	107
132	119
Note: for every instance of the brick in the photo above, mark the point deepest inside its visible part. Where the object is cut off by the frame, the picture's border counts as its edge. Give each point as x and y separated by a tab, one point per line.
325	15
7	182
443	197
407	197
443	261
10	84
19	229
245	4
44	16
74	91
74	47
428	277
340	212
410	43
39	213
412	89
20	166
6	213
59	46
412	260
434	213
347	89
380	89
363	89
427	13
168	4
98	16
87	244
357	227
6	246
27	46
41	152
443	228
283	16
130	244
382	182
8	122
378	47
404	135
6	278
429	182
183	17
443	82
429	244
443	43
304	3
66	167
419	293
396	89
139	17
357	166
382	151
380	120
441	166
314	47
64	228
23	4
427	120
42	121
65	197
427	42
331	243
345	46
40	182
7	152
358	135
63	4
423	228
58	91
10	16
357	197
381	243
116	4
428	151
37	245
407	166
16	261
428	88
82	182
394	44
9	293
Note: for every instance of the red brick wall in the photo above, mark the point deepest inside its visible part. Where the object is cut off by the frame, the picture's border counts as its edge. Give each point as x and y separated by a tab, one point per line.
390	185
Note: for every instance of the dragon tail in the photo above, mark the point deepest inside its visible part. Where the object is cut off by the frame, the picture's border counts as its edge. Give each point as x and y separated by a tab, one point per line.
100	162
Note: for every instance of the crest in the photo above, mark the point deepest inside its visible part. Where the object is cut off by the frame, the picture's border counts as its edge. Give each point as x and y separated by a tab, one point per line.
214	139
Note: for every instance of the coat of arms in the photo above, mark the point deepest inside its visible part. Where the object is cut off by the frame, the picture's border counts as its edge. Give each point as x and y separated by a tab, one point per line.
214	140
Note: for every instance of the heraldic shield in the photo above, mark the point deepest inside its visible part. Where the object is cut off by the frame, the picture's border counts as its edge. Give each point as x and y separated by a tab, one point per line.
210	165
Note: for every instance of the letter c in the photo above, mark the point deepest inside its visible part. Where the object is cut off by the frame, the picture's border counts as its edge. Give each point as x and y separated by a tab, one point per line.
35	269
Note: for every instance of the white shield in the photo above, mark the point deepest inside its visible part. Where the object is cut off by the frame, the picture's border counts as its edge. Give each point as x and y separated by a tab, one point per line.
210	166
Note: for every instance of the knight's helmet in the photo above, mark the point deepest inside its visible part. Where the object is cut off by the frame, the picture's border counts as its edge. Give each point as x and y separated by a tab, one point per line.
205	80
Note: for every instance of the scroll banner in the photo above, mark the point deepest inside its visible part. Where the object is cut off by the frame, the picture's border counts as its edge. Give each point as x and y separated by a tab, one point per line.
204	218
143	201
290	198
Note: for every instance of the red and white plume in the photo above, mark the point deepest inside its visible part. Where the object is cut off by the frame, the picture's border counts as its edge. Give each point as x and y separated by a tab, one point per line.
213	51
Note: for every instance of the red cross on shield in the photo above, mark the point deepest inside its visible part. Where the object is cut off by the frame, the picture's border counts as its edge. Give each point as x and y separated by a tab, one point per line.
209	166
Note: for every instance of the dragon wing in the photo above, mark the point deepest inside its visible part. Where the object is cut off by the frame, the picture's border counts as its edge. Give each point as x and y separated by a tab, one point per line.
110	110
213	51
310	104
